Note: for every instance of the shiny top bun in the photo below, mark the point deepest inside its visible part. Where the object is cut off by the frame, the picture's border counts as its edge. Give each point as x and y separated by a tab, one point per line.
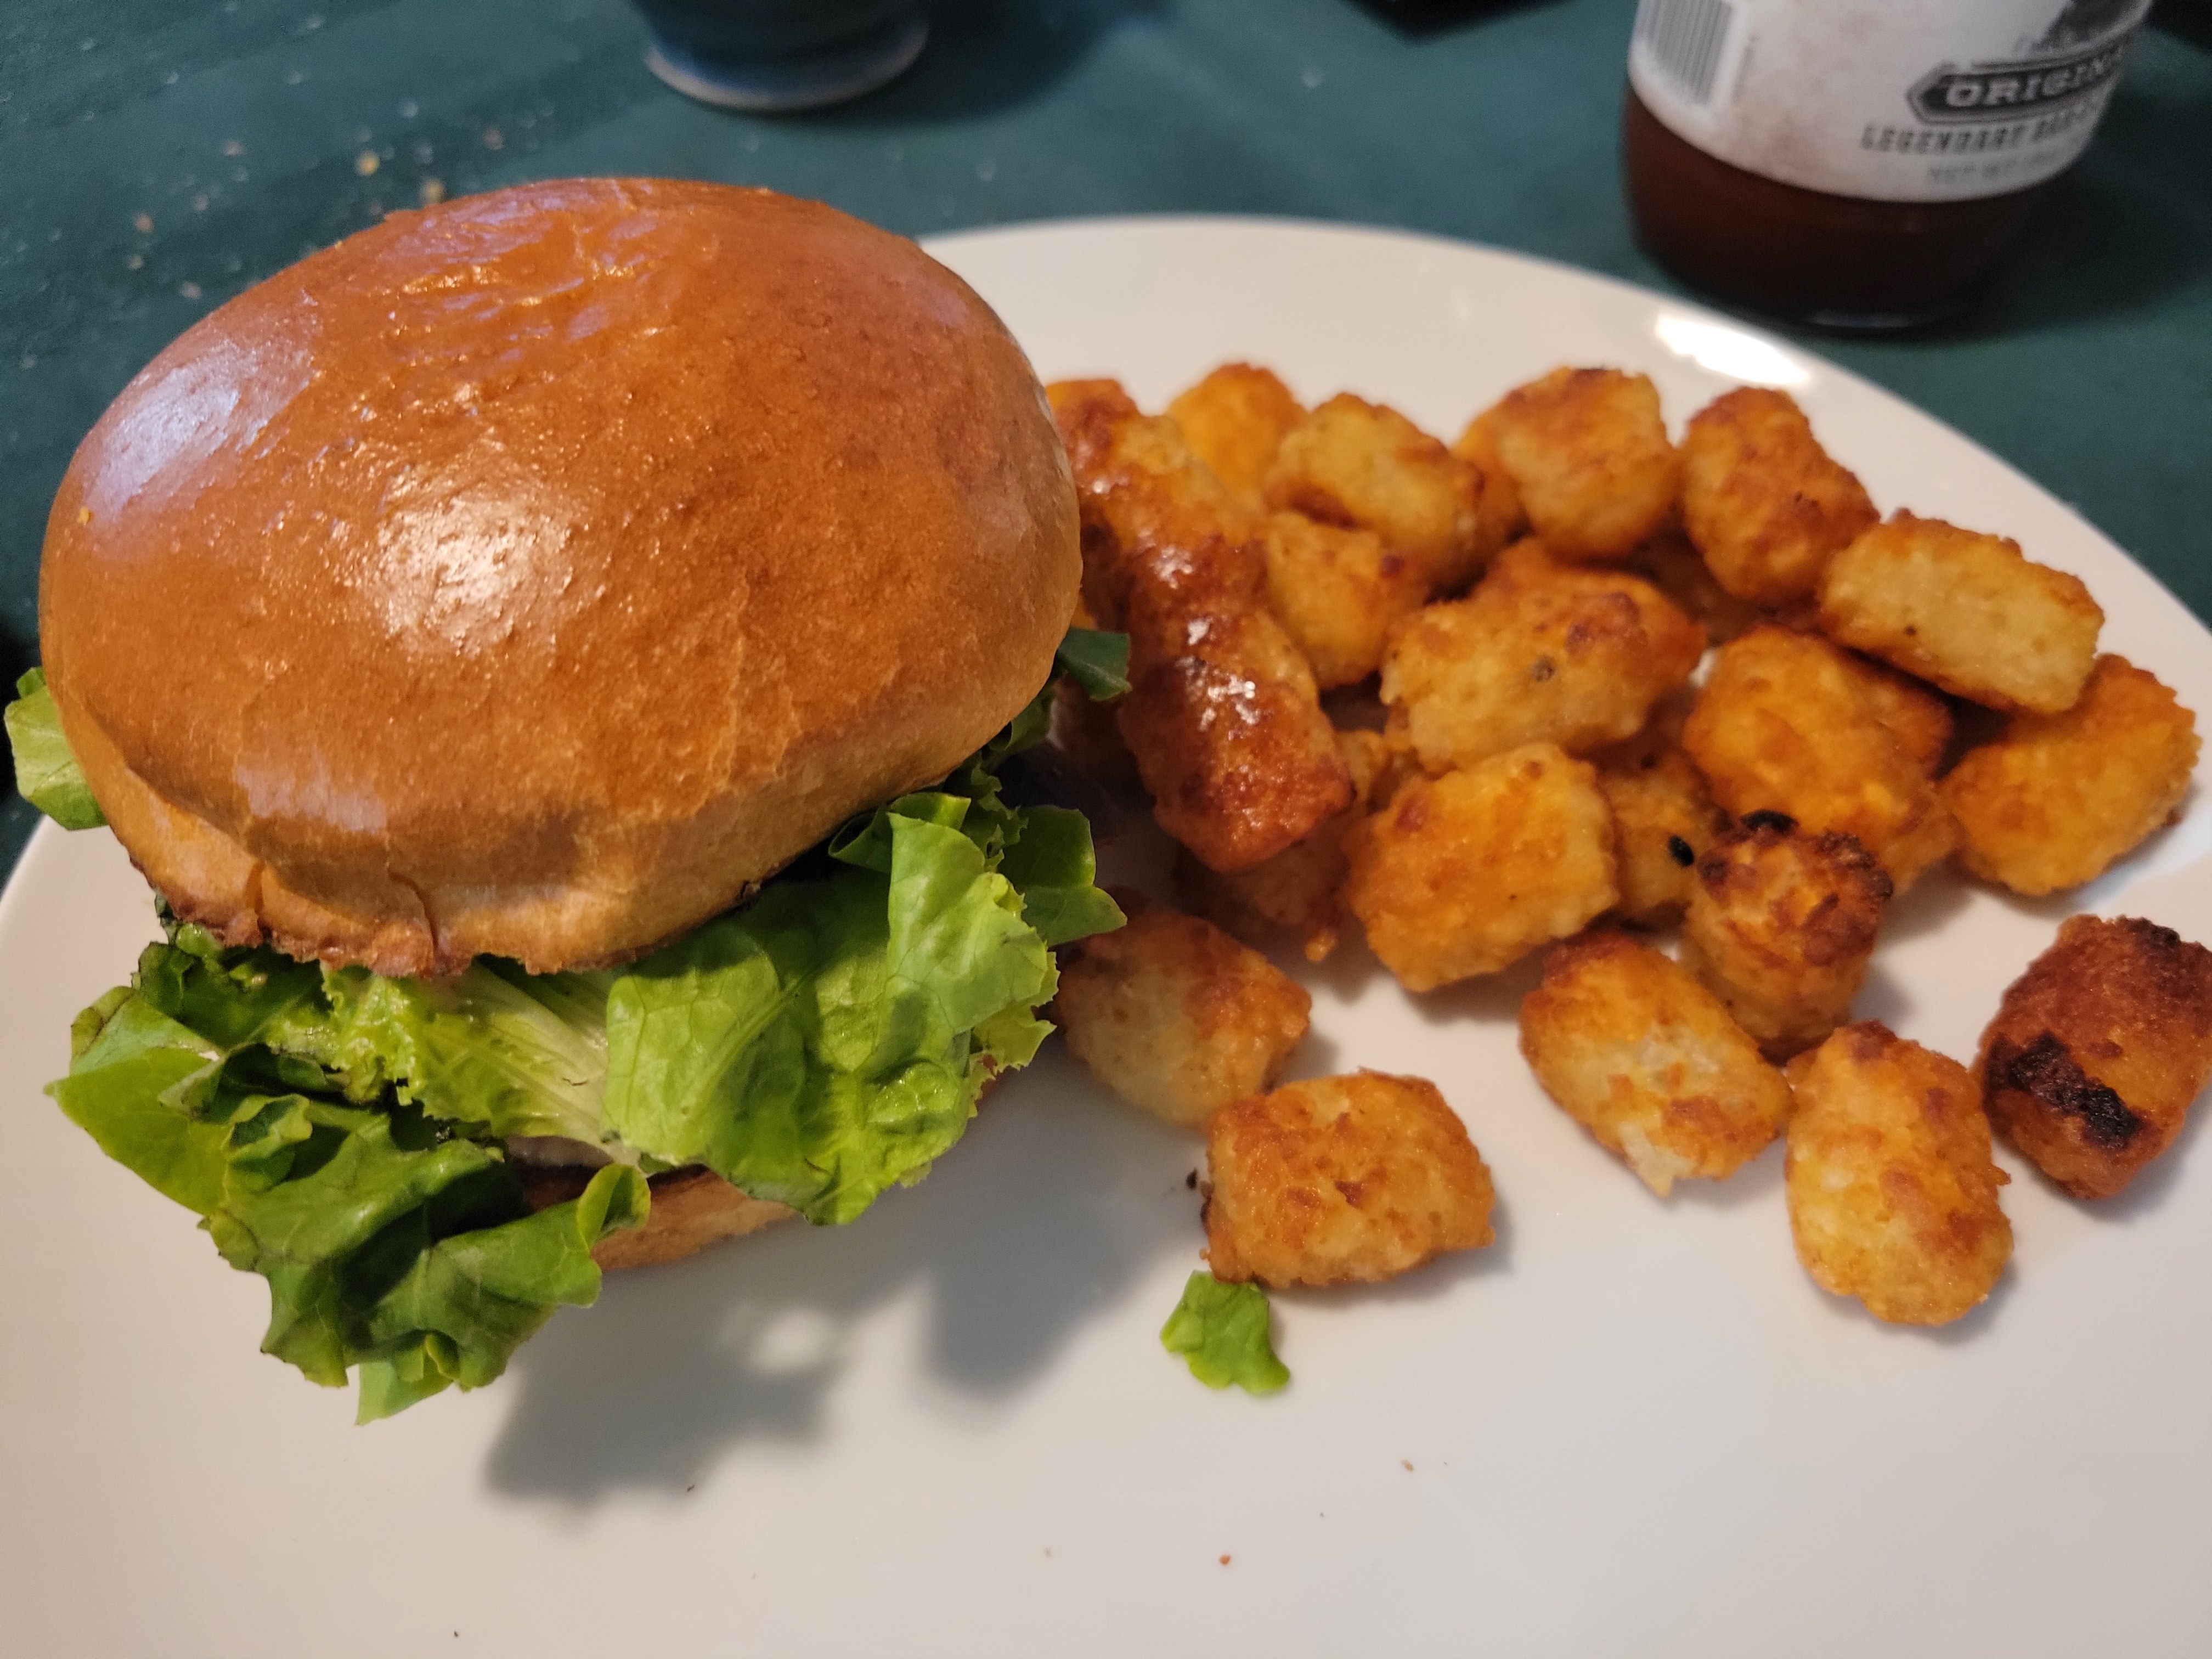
532	574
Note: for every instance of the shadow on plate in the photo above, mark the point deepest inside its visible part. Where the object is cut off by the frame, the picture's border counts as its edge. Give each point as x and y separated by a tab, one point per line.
1493	997
1928	906
1053	1205
1882	996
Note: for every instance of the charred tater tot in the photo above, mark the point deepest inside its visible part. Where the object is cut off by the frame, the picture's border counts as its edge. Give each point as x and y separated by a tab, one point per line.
1589	456
1352	462
1790	723
1537	653
1223	716
2099	1050
1663	822
2056	798
1968	611
1780	925
1175	1016
1672	566
1297	891
1892	1196
1467	873
1498	519
1338	591
1648	1060
1235	420
1342	1180
1762	501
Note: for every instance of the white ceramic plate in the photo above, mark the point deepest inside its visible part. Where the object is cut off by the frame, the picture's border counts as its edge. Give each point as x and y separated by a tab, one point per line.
1630	1428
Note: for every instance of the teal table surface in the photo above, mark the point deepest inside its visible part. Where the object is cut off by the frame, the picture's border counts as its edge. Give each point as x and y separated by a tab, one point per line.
156	157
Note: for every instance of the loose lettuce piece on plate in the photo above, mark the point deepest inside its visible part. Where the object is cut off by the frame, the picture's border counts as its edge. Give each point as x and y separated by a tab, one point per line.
46	772
1221	1331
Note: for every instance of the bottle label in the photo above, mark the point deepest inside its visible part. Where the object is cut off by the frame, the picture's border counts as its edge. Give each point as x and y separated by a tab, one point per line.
1895	101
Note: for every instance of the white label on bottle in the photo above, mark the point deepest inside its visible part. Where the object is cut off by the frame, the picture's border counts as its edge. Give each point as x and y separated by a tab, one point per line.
1895	101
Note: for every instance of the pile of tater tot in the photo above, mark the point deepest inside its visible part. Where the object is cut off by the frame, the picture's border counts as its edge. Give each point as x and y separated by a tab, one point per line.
1568	686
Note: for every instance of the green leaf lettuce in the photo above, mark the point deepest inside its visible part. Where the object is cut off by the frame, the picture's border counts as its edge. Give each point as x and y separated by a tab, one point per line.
1098	662
46	772
821	1045
1221	1331
390	1243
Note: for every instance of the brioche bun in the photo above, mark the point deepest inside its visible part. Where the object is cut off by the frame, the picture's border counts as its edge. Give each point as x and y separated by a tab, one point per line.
530	575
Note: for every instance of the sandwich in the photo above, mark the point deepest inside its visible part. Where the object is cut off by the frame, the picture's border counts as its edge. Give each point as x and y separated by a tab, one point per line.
555	657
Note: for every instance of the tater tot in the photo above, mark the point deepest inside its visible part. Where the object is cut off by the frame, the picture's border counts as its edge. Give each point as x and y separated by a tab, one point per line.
1788	723
1232	743
1917	718
2099	1050
1537	653
1765	504
1892	1195
1300	891
1296	892
1235	420
1175	1016
1524	561
1467	873
1337	592
1647	1060
1499	517
1222	717
1343	1180
1588	453
1969	613
2056	798
1672	565
1780	927
1140	485
1351	462
1663	822
1660	734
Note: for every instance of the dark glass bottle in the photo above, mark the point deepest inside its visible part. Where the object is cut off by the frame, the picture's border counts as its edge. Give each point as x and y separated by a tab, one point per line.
1861	166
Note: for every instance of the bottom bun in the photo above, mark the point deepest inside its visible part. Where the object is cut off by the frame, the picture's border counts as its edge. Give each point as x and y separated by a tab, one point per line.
691	1209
